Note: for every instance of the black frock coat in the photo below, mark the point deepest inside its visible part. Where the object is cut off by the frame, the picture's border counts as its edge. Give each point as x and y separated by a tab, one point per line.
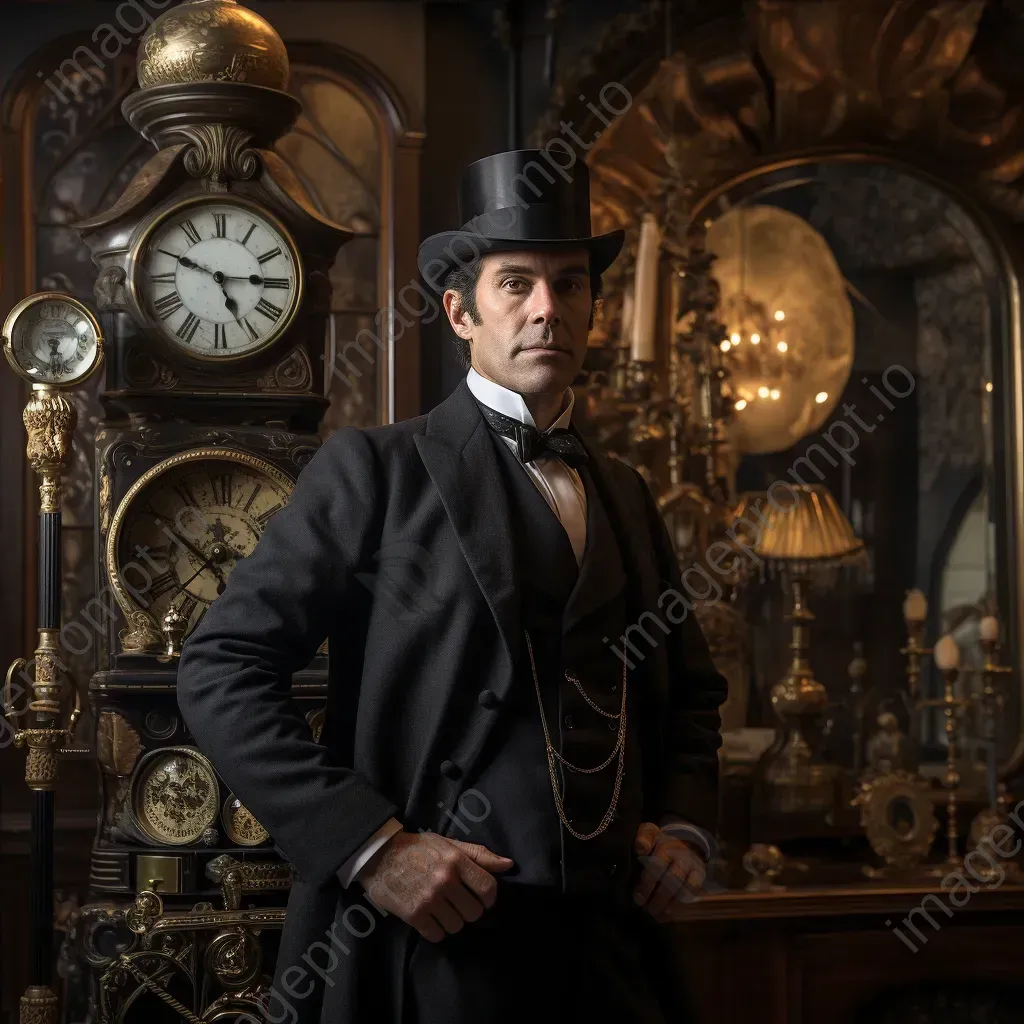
396	546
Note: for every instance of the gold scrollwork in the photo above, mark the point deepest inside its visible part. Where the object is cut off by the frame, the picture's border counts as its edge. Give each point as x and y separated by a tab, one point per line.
293	373
220	152
118	745
50	423
898	817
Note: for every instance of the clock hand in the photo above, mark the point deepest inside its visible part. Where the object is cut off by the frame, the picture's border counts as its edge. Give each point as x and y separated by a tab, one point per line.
195	551
192	265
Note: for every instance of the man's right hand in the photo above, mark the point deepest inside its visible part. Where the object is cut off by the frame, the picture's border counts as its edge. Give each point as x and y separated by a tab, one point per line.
433	883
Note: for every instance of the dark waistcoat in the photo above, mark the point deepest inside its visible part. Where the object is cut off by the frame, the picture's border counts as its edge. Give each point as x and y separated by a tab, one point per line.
572	616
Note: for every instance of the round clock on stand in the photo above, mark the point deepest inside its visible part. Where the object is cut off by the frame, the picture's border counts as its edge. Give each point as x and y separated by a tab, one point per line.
54	343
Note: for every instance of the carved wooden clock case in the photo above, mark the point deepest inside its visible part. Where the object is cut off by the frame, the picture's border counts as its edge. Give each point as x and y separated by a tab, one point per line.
213	294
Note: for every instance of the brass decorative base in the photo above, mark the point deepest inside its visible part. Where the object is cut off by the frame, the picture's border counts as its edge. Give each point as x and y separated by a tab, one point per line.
38	1006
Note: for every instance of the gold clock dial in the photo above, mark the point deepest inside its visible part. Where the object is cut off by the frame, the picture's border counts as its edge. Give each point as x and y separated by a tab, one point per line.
217	279
52	338
175	797
240	825
185	525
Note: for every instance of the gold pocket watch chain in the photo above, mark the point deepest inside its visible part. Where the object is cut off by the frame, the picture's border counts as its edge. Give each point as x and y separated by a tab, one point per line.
553	755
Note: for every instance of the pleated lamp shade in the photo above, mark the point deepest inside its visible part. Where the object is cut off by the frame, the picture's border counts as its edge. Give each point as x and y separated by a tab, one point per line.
804	529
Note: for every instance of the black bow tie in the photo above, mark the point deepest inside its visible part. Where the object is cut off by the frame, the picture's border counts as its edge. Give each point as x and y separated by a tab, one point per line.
532	443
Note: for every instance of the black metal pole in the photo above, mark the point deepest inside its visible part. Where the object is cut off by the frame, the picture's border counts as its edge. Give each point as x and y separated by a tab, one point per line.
41	868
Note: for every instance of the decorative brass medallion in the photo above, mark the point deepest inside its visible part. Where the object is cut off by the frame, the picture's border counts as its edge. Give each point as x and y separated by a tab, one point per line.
240	825
175	796
898	817
53	339
189	520
216	279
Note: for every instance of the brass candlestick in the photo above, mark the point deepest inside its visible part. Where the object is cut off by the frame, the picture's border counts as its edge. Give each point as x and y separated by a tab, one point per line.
915	612
991	700
947	659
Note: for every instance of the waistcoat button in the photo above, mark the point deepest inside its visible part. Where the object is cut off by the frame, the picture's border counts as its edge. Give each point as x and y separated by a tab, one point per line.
450	769
488	699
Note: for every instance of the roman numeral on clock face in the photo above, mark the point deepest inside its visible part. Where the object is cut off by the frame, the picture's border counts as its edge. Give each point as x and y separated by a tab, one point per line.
248	234
167	278
250	330
167	304
220	225
163	584
276	282
268	255
221	489
220	338
188	328
264	517
268	309
190	231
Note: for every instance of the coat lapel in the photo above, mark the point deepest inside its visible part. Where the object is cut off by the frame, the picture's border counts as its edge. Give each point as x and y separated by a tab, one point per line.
458	453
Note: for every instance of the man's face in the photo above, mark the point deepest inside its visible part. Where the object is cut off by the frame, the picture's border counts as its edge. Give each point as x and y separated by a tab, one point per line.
535	311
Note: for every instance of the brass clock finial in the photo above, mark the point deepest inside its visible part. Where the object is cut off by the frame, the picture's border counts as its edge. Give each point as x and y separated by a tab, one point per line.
212	41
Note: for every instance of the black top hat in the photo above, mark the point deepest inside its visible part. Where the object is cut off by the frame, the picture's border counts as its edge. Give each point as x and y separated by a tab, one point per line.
520	199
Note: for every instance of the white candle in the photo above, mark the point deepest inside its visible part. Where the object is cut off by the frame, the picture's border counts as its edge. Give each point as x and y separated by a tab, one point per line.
989	628
645	289
946	654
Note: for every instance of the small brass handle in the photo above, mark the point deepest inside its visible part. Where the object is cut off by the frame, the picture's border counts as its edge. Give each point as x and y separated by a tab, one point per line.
8	710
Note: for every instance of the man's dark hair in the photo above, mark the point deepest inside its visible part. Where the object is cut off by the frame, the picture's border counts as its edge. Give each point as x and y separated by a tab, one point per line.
463	279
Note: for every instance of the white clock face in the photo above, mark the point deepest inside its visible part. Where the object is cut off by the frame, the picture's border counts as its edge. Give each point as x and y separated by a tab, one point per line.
52	341
218	279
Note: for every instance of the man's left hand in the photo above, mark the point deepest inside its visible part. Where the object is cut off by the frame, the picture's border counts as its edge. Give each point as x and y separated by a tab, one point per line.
673	873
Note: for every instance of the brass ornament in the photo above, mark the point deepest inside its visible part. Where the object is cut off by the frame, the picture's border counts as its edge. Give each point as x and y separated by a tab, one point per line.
240	824
220	152
898	817
212	41
174	796
252	876
234	958
293	373
41	762
118	745
38	1006
50	421
144	912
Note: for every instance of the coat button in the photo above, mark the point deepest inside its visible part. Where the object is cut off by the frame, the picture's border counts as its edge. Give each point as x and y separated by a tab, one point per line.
450	769
567	721
488	699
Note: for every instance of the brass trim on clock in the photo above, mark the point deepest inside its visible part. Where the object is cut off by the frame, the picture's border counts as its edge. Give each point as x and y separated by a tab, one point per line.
153	832
140	239
51	296
138	618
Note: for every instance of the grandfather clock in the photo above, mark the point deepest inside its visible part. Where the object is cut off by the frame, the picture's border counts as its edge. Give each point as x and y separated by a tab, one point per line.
213	294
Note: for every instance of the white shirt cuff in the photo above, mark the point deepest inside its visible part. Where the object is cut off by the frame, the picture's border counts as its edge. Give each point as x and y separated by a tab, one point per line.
354	864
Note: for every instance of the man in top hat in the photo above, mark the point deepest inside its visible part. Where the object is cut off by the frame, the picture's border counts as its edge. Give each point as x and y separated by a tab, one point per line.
515	787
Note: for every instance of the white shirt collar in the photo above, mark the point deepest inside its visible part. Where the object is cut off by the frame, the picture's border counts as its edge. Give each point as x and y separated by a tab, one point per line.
510	403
